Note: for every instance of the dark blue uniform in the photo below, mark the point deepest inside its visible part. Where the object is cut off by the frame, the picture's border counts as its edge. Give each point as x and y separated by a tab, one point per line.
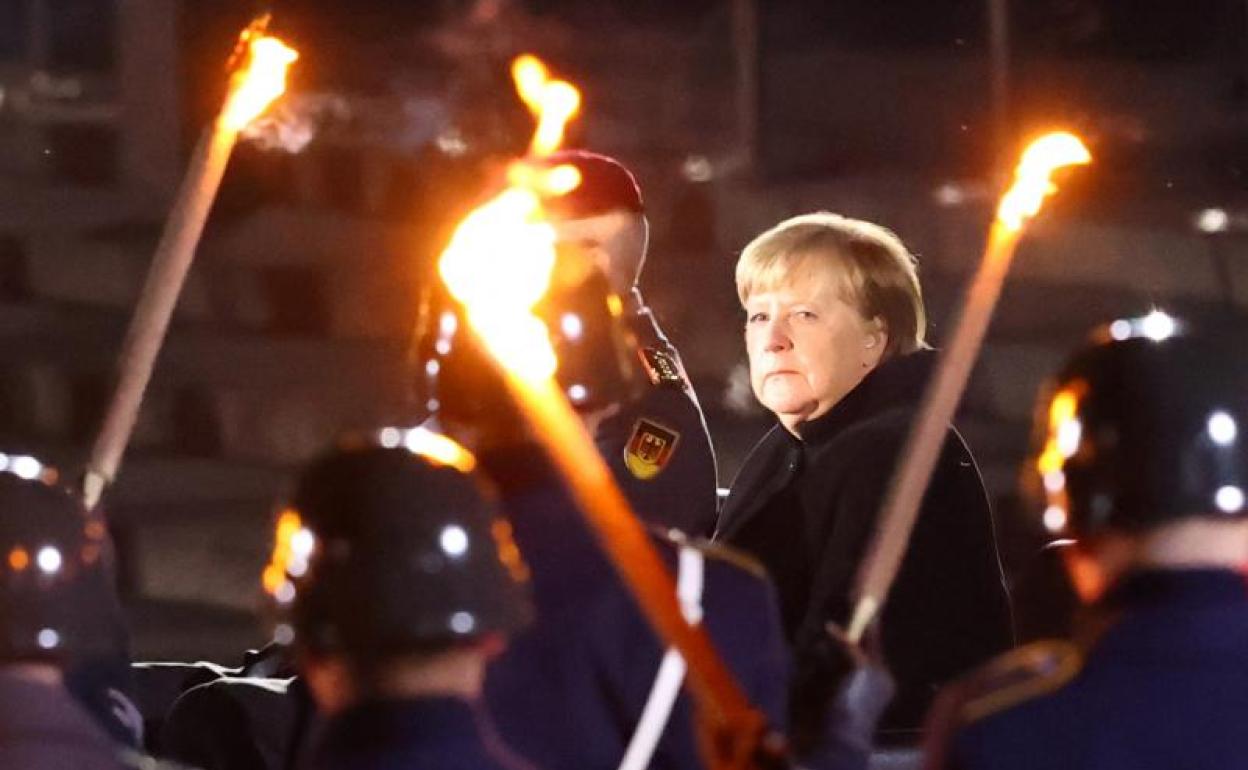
569	690
442	733
1165	687
657	445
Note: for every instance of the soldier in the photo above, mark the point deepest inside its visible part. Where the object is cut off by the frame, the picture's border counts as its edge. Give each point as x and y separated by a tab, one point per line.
1144	470
656	442
402	582
56	610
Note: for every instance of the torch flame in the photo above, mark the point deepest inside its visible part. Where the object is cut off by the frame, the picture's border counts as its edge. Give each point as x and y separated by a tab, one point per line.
500	259
260	80
1032	178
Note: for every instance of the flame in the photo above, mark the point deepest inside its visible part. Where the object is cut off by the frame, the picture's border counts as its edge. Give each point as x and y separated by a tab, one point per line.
499	261
552	102
260	79
439	449
1032	178
292	544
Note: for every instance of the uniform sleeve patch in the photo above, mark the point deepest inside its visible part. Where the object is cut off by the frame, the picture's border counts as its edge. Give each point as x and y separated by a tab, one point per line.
649	448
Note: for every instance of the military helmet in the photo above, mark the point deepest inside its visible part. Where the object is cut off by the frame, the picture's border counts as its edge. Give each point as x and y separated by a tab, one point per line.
385	550
55	596
1145	426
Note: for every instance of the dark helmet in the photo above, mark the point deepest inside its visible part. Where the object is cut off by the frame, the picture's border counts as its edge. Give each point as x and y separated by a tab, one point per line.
1146	426
56	600
385	551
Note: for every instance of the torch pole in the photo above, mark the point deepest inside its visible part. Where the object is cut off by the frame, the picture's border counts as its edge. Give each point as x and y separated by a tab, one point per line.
737	728
150	321
927	436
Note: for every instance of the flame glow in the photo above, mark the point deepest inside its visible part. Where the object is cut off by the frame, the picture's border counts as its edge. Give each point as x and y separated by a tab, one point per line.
1032	178
260	79
499	261
292	545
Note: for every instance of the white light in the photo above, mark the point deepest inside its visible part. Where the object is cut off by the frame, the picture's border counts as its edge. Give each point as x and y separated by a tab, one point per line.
1212	221
48	638
26	467
572	326
433	405
1068	435
443	347
48	559
1054	518
297	567
283	634
1120	330
451	142
4	462
1222	428
454	540
1055	481
390	437
697	168
432	367
577	392
950	194
463	622
1229	499
302	542
448	323
1158	326
285	593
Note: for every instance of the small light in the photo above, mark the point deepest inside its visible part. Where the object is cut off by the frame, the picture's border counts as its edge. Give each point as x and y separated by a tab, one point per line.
1068	435
433	405
578	393
448	323
283	634
48	559
285	592
302	542
1222	428
1054	518
454	540
432	367
25	467
572	326
1120	330
1213	221
390	437
1054	481
950	194
451	142
1158	326
443	346
297	568
697	168
1229	499
48	638
463	622
4	462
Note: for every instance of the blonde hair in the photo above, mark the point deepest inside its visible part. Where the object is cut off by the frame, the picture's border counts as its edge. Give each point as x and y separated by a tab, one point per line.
877	272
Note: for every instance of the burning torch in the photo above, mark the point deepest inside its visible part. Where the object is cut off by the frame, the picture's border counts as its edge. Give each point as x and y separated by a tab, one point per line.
1021	202
498	265
258	77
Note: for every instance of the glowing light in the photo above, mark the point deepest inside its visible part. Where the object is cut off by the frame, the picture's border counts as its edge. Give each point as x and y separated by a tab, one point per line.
432	367
552	102
697	168
1054	481
1068	434
4	462
260	79
463	622
439	449
448	324
49	559
572	325
390	437
577	392
950	194
19	559
1222	428
454	541
1229	499
288	530
1158	326
48	639
25	467
302	542
1054	518
283	634
1032	177
1120	330
285	593
1213	220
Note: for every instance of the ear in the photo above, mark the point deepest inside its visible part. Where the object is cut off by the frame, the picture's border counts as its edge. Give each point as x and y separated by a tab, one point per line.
874	342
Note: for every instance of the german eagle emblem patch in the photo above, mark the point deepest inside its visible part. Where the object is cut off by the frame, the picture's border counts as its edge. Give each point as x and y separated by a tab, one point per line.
649	449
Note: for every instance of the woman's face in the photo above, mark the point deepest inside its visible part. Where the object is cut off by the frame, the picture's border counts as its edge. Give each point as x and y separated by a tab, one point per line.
807	347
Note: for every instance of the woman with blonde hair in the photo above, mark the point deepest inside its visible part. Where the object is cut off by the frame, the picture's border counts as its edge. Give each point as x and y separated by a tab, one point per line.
835	329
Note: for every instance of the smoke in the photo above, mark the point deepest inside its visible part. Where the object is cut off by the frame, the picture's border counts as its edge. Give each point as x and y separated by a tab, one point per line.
292	123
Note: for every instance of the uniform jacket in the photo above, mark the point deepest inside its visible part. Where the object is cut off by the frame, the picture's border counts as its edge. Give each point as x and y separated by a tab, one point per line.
43	728
442	733
807	510
568	691
664	423
1165	687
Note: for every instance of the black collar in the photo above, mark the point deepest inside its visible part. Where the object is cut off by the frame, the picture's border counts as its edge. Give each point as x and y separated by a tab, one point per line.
896	383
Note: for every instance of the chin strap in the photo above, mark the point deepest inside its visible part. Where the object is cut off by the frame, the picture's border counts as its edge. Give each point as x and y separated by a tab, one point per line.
654	717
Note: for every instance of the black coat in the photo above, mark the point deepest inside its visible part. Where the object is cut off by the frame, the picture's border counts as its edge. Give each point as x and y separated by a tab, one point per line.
807	509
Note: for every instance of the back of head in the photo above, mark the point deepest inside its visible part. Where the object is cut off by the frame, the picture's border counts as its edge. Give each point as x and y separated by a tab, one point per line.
385	552
56	601
1142	431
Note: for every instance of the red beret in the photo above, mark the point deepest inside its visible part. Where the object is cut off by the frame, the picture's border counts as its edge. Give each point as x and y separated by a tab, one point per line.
606	185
